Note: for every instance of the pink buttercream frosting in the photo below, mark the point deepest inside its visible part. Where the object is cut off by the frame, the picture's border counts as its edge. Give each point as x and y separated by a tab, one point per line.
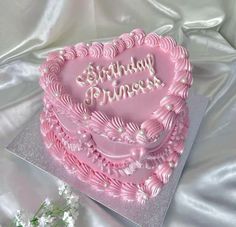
115	114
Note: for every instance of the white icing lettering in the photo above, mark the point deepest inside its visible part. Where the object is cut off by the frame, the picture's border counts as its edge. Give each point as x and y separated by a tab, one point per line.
93	76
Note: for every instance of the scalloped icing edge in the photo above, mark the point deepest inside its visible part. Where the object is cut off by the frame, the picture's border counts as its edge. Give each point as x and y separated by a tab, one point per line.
126	167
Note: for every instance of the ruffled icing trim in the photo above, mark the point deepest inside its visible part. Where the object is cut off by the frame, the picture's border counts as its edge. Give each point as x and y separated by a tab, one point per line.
128	191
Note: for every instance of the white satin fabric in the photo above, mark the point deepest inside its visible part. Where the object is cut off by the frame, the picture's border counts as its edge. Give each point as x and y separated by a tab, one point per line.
206	195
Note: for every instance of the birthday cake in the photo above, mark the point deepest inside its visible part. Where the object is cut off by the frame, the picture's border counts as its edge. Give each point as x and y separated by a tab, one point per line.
115	114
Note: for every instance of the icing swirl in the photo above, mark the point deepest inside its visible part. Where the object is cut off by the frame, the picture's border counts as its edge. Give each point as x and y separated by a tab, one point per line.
164	172
50	67
96	49
152	39
128	39
81	50
178	104
152	127
70	53
109	50
153	185
120	45
139	36
114	127
178	52
167	43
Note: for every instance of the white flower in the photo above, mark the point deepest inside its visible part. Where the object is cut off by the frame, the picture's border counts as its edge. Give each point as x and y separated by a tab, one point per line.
68	219
42	221
18	215
65	216
20	219
61	188
45	220
47	202
70	222
73	200
74	212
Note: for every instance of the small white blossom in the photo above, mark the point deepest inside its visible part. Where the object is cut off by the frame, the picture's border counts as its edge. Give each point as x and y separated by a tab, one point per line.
73	200
65	216
61	188
68	219
20	219
70	222
42	221
45	220
47	202
74	212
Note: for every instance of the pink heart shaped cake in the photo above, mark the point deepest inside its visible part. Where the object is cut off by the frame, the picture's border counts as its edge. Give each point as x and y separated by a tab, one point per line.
115	114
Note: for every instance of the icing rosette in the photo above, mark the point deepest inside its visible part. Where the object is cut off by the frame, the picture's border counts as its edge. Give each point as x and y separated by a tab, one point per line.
66	100
184	77
99	181
175	102
166	117
164	172
96	49
183	64
142	194
114	188
120	45
84	172
152	127
53	55
109	50
70	162
70	53
56	57
81	111
58	150
45	128
179	89
139	36
50	139
167	43
50	78
173	158
114	128
179	146
153	185
55	89
128	39
152	39
128	191
98	121
178	52
81	50
132	129
50	67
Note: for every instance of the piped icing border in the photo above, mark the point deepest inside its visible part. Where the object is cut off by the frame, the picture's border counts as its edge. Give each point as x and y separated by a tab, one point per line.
128	191
139	157
115	128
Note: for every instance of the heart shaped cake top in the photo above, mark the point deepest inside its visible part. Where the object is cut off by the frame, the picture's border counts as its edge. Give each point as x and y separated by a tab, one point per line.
129	90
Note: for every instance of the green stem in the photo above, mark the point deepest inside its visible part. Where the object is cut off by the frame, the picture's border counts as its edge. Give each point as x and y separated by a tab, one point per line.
37	212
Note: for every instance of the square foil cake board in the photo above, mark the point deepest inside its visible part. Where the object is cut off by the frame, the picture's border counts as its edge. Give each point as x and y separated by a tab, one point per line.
29	146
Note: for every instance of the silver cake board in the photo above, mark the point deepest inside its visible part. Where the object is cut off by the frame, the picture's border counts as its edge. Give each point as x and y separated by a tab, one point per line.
29	146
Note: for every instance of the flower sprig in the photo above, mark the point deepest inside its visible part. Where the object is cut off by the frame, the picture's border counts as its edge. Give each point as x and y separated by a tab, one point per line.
61	212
